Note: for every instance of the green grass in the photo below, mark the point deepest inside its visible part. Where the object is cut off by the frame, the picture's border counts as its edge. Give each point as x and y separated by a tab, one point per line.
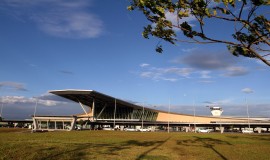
21	144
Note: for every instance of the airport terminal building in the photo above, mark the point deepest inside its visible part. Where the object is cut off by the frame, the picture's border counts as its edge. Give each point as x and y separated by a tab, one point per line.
103	110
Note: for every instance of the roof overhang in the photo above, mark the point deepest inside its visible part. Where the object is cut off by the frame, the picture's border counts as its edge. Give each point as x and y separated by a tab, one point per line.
87	97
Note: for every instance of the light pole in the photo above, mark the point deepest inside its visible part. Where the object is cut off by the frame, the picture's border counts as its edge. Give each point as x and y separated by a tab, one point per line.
169	115
194	112
35	107
247	91
1	110
114	113
142	115
247	114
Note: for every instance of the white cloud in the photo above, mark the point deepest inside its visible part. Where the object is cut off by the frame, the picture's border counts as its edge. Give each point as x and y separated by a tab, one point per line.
147	74
247	90
25	100
206	81
205	74
171	74
68	19
70	25
235	71
144	65
13	86
188	50
175	21
170	79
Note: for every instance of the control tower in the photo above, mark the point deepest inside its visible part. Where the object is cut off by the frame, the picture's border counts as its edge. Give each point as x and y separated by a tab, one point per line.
216	111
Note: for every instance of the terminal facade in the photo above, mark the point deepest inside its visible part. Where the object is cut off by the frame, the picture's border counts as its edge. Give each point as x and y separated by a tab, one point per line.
101	110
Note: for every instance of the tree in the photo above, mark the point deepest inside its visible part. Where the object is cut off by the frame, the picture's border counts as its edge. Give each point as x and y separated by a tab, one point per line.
249	20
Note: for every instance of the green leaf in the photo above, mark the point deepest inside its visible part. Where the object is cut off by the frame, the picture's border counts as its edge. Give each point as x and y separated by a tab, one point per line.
130	8
214	12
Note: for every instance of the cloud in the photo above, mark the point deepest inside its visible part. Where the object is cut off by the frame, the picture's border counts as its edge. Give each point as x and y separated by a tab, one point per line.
19	107
171	74
25	100
207	60
247	90
66	72
175	21
52	97
13	86
218	102
235	71
67	19
188	50
144	65
205	74
45	100
206	81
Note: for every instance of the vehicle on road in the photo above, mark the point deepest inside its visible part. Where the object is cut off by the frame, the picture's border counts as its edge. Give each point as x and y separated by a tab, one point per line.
144	130
130	129
247	131
204	130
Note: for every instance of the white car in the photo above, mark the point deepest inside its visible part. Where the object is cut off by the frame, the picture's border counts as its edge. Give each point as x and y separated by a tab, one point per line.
130	129
202	130
247	131
107	129
144	130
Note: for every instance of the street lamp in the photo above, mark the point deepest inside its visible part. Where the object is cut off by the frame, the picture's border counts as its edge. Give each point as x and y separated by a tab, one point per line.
194	112
169	115
35	107
247	91
1	110
142	115
247	114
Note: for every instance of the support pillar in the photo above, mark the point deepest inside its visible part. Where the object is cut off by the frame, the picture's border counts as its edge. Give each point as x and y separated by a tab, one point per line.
221	129
259	129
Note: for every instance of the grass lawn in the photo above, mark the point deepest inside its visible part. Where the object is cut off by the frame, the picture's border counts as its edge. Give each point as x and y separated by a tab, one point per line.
21	144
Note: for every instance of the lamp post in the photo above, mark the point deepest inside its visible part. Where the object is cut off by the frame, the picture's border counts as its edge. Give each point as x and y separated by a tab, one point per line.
35	111
247	114
194	113
169	115
247	91
114	113
142	115
1	110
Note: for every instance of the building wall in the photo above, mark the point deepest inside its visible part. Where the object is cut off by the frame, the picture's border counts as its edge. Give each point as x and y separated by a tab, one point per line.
162	116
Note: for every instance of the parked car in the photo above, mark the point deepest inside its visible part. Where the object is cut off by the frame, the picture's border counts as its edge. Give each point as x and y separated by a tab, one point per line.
130	129
247	131
204	130
107	128
144	130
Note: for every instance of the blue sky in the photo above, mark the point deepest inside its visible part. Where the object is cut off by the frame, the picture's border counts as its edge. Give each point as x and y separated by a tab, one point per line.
97	45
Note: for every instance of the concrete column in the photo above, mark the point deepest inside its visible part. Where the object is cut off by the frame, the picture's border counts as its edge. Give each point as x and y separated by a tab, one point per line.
34	124
259	129
221	129
121	128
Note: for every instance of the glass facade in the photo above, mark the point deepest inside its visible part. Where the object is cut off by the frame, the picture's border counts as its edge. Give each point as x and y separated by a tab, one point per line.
47	123
124	113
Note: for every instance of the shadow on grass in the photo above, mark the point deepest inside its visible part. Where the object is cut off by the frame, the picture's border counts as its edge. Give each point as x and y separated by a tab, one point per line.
209	143
87	150
158	144
252	137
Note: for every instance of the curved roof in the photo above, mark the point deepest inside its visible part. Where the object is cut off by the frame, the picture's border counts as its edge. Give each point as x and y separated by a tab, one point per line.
87	97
